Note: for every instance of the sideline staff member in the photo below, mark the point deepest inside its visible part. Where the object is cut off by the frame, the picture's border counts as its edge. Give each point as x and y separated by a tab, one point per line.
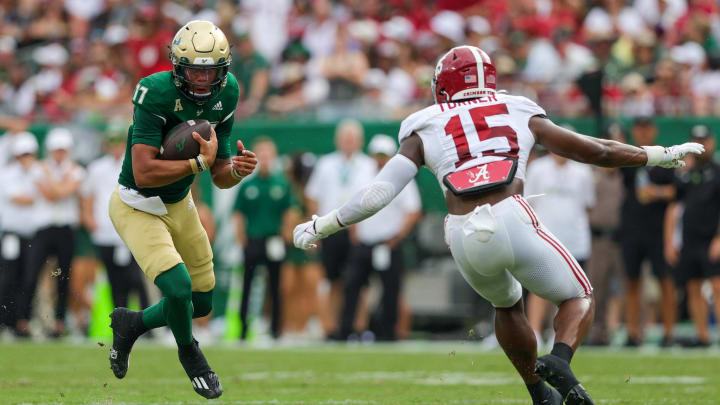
19	210
699	259
262	203
379	249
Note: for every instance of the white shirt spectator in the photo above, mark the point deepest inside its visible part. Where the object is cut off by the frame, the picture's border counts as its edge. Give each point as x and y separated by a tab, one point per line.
335	179
651	13
397	86
568	191
60	212
6	142
21	100
628	21
85	9
319	38
390	220
706	83
268	13
99	187
543	62
578	60
17	181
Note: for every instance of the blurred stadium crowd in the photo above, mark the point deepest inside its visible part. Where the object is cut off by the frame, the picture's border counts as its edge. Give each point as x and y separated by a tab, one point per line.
73	59
71	66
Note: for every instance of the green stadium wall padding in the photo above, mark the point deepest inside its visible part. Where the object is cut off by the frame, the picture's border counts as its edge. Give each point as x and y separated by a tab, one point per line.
317	137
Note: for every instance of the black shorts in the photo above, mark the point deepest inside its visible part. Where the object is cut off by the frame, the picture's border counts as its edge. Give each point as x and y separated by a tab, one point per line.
335	254
695	264
636	248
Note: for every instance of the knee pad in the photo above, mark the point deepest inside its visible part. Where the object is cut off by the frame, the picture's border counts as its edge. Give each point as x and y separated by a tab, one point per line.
175	284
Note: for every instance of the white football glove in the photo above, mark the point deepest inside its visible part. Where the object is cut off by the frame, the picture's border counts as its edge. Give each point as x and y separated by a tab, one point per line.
305	234
672	156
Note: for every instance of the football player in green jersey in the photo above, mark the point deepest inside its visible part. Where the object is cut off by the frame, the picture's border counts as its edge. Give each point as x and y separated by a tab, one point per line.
152	208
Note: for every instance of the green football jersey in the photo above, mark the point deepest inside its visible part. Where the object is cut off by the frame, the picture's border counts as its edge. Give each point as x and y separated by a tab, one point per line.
158	107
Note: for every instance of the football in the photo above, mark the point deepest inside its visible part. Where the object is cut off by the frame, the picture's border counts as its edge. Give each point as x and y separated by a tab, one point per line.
179	143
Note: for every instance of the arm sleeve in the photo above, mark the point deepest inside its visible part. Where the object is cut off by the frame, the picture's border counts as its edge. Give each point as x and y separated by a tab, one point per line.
147	127
223	130
391	180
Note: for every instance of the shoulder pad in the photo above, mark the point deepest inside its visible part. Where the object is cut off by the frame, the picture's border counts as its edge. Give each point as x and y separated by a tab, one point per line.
230	95
156	92
232	85
416	121
523	104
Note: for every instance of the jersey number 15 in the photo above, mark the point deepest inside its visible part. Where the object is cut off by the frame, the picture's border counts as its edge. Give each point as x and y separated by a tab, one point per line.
494	141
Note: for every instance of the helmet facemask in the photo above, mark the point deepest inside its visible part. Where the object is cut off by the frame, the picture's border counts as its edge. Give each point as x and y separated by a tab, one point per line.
200	83
200	54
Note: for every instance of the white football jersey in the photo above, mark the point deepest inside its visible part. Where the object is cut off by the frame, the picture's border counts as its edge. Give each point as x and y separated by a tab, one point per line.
467	133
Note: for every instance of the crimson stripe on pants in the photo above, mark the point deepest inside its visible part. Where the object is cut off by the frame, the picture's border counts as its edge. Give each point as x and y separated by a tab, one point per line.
579	275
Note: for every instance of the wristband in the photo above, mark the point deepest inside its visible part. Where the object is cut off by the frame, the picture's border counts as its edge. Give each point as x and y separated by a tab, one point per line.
202	163
655	155
328	224
235	175
194	166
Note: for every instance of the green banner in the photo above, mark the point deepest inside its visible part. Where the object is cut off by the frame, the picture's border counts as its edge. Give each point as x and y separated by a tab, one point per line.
317	137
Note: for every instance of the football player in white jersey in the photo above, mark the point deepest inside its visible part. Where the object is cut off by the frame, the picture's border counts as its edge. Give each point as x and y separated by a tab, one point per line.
476	140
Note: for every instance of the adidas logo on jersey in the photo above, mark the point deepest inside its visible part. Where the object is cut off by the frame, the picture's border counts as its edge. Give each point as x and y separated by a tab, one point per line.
218	106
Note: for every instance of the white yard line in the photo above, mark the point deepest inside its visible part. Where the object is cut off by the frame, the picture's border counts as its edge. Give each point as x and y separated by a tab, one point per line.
457	378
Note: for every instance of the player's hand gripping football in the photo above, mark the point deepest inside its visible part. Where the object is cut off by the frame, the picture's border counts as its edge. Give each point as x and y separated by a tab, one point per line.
207	148
245	161
672	156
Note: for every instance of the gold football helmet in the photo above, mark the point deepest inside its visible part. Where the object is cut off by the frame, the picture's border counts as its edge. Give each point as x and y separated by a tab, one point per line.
200	54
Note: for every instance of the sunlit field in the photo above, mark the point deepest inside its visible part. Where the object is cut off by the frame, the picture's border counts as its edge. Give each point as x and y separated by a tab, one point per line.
404	373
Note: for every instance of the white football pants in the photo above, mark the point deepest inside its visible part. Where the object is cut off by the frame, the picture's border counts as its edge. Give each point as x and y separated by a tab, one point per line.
501	248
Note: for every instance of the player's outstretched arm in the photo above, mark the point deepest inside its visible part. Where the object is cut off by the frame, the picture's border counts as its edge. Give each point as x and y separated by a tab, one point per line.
604	152
391	180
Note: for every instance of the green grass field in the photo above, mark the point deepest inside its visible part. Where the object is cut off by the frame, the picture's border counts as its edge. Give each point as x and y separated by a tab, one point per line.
447	373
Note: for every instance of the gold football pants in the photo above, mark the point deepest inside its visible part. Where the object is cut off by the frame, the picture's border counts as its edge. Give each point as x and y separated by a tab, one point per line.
160	242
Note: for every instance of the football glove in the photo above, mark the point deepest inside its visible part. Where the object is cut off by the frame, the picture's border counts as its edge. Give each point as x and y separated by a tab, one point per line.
672	156
305	234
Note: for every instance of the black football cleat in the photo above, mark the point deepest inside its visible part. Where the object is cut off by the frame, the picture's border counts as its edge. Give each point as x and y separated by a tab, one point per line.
205	382
127	327
553	397
557	373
